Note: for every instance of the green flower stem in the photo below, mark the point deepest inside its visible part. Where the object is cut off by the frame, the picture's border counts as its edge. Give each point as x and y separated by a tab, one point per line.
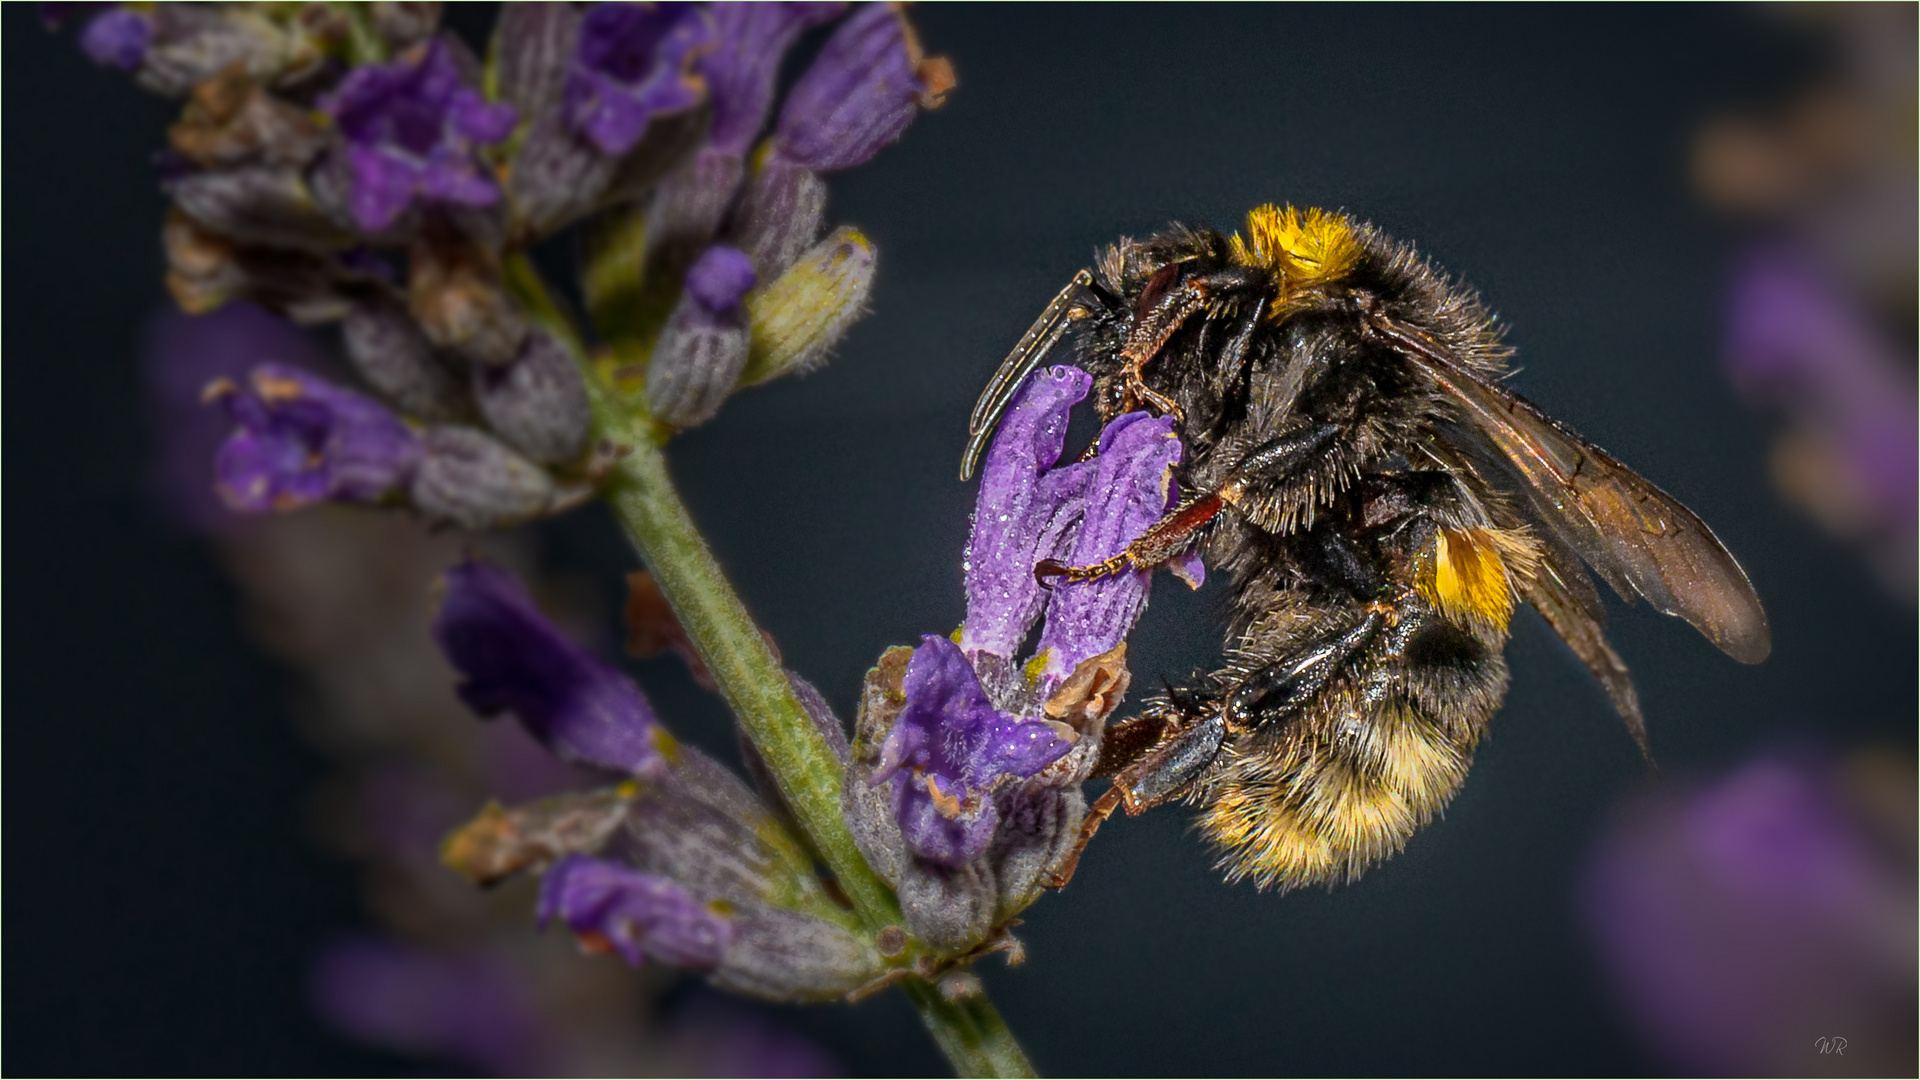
970	1031
749	676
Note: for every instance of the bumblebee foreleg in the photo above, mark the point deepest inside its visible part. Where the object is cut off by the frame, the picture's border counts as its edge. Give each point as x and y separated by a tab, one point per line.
1172	535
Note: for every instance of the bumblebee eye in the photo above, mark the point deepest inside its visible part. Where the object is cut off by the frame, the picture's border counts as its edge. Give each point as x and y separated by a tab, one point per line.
1162	281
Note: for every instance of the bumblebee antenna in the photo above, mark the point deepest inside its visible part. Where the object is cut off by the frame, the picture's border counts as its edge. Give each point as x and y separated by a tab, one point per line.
1035	344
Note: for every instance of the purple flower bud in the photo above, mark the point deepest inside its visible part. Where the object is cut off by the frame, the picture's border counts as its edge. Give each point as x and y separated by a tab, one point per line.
537	403
117	38
752	38
950	749
413	129
635	914
704	346
634	61
303	440
475	481
860	93
513	658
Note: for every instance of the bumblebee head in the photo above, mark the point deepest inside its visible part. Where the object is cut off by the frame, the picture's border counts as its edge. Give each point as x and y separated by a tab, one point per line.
1307	252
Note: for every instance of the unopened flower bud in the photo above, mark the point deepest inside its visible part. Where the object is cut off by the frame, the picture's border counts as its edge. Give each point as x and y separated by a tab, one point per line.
499	842
389	351
798	318
704	346
259	204
780	214
537	403
403	24
457	296
690	202
192	43
206	269
473	480
231	120
861	92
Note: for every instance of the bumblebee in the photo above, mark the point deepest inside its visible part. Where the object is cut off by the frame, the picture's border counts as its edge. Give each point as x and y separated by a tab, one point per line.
1381	502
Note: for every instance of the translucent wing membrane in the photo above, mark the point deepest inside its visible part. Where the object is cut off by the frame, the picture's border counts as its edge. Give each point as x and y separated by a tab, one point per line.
1633	534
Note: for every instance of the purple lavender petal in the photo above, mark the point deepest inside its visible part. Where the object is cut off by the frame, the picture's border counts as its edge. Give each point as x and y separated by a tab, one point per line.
117	39
302	440
1132	487
740	72
413	129
858	96
513	659
1025	510
634	61
471	1007
640	915
949	734
720	279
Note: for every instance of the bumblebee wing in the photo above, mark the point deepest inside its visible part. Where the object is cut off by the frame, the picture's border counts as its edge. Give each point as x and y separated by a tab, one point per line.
1626	528
1034	346
1555	596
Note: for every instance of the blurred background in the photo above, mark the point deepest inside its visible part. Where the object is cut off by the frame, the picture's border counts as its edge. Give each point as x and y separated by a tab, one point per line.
233	750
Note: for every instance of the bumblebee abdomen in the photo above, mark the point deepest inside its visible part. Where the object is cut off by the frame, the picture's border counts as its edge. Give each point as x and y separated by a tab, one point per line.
1344	789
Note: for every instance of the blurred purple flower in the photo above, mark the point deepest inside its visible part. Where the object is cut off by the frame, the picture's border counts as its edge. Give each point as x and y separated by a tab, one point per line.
117	38
632	62
860	93
1797	343
413	128
467	1007
740	72
1745	920
720	279
180	355
303	440
513	659
729	1037
639	915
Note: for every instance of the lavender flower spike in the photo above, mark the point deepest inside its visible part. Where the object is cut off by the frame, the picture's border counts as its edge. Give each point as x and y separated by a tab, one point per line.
860	93
638	915
512	658
303	440
412	130
633	61
950	749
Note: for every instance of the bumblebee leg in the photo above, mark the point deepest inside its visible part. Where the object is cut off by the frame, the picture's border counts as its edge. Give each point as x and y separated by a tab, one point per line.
1274	691
1175	533
1152	330
1161	774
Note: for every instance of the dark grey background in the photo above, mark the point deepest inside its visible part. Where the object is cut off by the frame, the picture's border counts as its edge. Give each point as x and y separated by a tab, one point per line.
163	897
